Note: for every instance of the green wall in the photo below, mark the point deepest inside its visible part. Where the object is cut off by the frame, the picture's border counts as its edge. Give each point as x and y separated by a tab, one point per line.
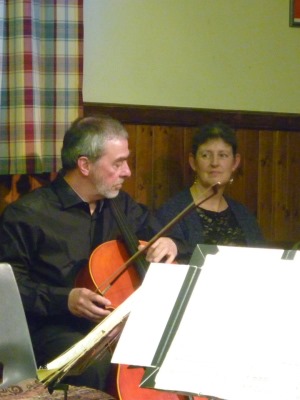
229	54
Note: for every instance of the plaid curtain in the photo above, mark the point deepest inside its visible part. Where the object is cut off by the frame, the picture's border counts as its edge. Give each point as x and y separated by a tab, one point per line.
41	61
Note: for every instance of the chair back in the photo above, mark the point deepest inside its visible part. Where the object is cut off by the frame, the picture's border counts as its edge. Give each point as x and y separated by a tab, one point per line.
17	360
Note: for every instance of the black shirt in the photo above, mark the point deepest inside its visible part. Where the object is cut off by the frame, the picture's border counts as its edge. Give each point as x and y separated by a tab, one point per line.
49	234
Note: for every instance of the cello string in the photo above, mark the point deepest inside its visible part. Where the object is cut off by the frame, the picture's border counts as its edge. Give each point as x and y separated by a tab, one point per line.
131	240
121	220
132	243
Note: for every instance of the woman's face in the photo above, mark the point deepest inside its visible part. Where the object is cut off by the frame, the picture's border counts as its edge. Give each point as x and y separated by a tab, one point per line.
214	162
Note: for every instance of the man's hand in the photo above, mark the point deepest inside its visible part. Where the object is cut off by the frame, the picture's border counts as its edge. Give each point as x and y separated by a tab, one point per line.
163	250
87	304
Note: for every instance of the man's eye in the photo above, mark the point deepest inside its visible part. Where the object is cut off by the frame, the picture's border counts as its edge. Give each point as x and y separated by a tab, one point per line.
119	164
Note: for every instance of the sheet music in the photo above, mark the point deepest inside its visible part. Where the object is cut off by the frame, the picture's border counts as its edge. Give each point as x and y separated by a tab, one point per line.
95	335
142	332
247	345
239	336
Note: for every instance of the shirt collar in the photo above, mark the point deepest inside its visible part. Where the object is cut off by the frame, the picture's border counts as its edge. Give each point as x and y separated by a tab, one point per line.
67	196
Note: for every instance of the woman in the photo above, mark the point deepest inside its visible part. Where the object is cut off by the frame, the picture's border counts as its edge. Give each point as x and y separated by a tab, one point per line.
220	219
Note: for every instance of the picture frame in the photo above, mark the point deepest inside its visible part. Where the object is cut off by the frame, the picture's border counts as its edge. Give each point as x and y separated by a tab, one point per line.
295	13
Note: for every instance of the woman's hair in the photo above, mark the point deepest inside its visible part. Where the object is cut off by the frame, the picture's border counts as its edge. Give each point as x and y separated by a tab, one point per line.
214	130
87	136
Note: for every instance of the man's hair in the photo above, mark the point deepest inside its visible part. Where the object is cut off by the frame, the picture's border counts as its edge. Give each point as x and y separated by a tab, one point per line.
214	130
87	136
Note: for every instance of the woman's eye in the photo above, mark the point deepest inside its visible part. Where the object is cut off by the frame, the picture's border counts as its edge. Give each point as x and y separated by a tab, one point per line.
204	155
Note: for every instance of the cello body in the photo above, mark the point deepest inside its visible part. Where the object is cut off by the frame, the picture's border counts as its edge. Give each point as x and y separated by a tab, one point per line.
106	275
103	262
128	380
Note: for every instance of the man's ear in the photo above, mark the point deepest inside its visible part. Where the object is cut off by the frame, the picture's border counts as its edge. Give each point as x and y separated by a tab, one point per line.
83	164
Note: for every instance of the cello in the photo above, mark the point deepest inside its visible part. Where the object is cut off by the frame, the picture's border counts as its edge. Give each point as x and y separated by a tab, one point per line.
128	378
103	275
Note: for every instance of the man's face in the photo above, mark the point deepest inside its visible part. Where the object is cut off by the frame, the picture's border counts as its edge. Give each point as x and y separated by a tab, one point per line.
108	173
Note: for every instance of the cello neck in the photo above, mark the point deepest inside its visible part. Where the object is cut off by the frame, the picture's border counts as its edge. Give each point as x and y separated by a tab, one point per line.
130	239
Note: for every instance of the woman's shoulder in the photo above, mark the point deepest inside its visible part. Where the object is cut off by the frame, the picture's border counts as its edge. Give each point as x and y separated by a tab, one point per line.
180	198
237	205
241	211
174	205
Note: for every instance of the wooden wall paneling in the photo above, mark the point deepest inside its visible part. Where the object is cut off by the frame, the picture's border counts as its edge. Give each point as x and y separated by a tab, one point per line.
293	190
244	186
176	160
130	183
160	165
280	187
144	173
182	116
188	173
237	188
160	139
265	184
259	186
165	163
250	169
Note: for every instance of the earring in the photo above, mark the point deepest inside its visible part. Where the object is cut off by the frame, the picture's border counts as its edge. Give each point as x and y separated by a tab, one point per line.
231	181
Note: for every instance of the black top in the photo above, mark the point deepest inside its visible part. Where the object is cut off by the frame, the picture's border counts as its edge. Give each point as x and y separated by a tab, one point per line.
49	234
221	228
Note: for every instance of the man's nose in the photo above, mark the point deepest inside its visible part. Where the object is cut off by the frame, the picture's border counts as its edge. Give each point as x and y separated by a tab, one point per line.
126	170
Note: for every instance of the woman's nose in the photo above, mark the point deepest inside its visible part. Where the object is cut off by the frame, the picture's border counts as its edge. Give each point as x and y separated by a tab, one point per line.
214	159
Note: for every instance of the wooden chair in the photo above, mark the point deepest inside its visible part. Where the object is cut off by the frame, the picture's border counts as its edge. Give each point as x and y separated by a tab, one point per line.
18	369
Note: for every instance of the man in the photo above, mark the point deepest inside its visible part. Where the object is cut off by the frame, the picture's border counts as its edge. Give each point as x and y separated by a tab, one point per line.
49	234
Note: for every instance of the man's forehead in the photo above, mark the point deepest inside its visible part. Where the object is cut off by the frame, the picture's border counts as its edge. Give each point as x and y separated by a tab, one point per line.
116	146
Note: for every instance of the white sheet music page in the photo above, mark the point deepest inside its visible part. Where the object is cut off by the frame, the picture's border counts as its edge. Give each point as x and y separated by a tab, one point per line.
149	315
239	336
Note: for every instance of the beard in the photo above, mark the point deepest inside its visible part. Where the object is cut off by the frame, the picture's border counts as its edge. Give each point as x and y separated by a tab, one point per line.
108	192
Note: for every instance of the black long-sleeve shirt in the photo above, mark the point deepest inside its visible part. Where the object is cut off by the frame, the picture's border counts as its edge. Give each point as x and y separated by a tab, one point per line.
49	234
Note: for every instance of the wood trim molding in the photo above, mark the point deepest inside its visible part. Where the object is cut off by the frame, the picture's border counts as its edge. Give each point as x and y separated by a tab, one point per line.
189	117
